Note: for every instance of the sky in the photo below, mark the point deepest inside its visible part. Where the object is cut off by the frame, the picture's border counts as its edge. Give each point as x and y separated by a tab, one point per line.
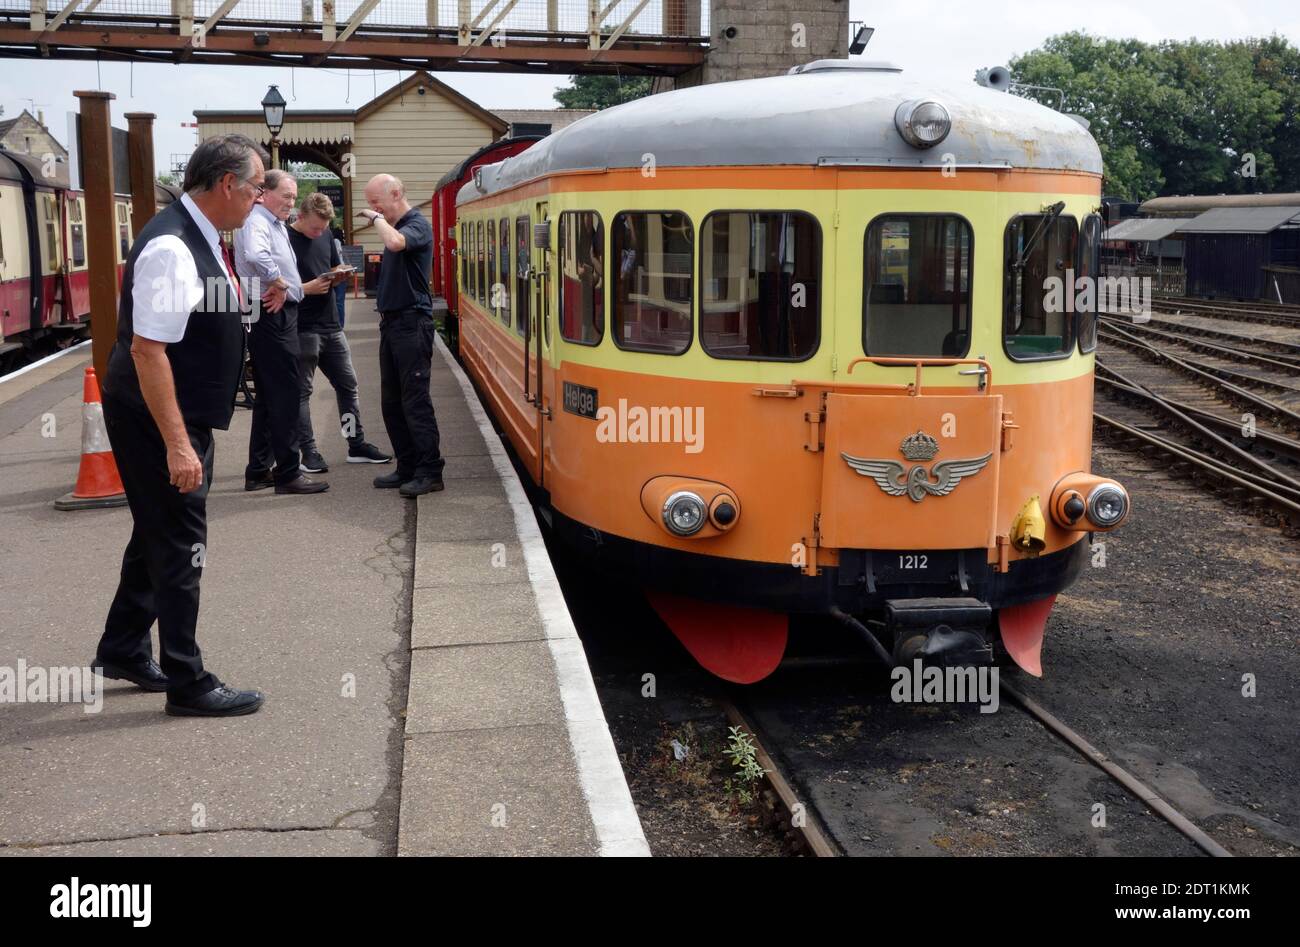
946	38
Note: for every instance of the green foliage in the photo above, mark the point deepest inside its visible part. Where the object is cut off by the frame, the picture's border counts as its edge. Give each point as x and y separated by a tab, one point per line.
1179	117
600	92
744	760
168	178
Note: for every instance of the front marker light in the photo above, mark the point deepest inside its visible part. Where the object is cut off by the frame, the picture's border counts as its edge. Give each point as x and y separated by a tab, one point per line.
922	123
1107	505
684	513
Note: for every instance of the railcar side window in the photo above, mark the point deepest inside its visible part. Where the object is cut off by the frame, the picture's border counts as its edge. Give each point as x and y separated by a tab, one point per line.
494	282
503	244
481	287
916	286
760	275
582	277
522	295
1039	250
652	254
464	259
1090	267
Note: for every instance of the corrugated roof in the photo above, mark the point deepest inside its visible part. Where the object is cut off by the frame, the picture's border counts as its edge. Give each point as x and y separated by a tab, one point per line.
1144	228
1241	220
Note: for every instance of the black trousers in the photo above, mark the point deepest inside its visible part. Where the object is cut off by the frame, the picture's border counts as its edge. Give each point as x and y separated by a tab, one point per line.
273	346
163	562
405	360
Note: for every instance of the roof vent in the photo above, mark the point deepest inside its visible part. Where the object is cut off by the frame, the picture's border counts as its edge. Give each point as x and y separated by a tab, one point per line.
851	65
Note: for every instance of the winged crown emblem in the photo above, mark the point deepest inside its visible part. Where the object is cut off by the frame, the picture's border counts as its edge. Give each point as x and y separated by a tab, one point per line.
897	479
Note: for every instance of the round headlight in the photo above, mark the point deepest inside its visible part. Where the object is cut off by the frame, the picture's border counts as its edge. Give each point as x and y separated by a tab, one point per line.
1107	505
922	124
684	513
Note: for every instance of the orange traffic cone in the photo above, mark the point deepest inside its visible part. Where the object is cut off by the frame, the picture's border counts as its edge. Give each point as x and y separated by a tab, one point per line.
98	483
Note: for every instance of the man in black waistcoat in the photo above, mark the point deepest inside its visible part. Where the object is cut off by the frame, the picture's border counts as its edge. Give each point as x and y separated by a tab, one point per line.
172	378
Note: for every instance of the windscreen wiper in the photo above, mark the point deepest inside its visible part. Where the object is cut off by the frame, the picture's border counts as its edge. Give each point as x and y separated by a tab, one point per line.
1053	212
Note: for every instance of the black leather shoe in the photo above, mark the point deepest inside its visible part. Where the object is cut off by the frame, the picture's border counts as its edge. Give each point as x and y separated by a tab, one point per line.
221	701
391	481
302	485
148	676
259	483
421	485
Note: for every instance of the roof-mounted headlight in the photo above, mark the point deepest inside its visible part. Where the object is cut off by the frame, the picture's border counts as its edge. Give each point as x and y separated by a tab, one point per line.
922	123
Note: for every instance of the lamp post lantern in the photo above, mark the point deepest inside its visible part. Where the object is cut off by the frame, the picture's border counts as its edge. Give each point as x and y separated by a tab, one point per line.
273	110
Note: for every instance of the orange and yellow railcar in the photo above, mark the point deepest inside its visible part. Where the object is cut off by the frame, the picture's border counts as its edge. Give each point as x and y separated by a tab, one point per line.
796	345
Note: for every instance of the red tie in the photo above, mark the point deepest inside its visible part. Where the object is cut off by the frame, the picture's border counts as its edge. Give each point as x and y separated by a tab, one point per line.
230	270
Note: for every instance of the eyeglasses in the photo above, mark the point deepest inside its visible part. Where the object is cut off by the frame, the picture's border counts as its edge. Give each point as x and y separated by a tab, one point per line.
258	189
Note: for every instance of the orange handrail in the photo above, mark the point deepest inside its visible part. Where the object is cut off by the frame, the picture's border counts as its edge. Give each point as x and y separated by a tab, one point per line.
920	363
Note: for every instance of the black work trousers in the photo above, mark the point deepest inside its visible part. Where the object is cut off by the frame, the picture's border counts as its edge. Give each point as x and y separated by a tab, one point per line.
163	562
273	347
405	359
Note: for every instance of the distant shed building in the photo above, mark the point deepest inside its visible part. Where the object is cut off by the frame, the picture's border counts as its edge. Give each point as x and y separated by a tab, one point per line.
1233	246
1243	253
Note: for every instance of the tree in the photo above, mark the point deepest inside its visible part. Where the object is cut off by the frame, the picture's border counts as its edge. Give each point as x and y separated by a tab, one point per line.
168	178
1179	117
600	92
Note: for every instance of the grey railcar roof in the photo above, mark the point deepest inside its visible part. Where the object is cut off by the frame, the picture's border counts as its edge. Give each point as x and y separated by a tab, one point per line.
836	116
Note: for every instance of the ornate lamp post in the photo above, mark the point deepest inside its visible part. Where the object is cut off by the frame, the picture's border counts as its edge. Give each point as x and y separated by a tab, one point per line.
273	110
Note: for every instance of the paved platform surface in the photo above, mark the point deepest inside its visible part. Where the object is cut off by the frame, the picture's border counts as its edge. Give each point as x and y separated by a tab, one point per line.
425	691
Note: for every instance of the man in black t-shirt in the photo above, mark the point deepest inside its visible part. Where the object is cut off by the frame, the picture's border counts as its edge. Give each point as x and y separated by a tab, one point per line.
405	337
321	339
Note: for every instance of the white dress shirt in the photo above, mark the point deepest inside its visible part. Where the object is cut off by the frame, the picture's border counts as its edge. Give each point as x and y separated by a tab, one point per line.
262	252
166	285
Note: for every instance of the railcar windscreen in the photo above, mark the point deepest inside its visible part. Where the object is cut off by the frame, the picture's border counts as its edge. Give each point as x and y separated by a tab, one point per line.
1090	268
916	289
1038	324
761	285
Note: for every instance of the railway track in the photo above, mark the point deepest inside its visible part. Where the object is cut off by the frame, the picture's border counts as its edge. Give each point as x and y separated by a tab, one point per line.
801	819
1258	313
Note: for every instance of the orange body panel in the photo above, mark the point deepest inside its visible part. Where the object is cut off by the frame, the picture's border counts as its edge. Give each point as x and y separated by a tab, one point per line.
757	447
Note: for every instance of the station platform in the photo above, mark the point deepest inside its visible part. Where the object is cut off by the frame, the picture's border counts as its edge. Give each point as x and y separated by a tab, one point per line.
427	693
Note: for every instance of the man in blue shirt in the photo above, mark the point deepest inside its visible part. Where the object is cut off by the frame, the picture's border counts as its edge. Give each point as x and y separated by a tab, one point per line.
405	337
264	261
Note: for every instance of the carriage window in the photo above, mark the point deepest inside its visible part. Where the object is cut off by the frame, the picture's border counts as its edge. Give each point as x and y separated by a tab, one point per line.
522	232
1039	251
582	277
78	230
652	255
761	291
503	275
916	286
123	233
1090	267
52	232
480	289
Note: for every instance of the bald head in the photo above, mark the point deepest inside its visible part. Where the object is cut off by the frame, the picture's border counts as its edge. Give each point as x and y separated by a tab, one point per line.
387	195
